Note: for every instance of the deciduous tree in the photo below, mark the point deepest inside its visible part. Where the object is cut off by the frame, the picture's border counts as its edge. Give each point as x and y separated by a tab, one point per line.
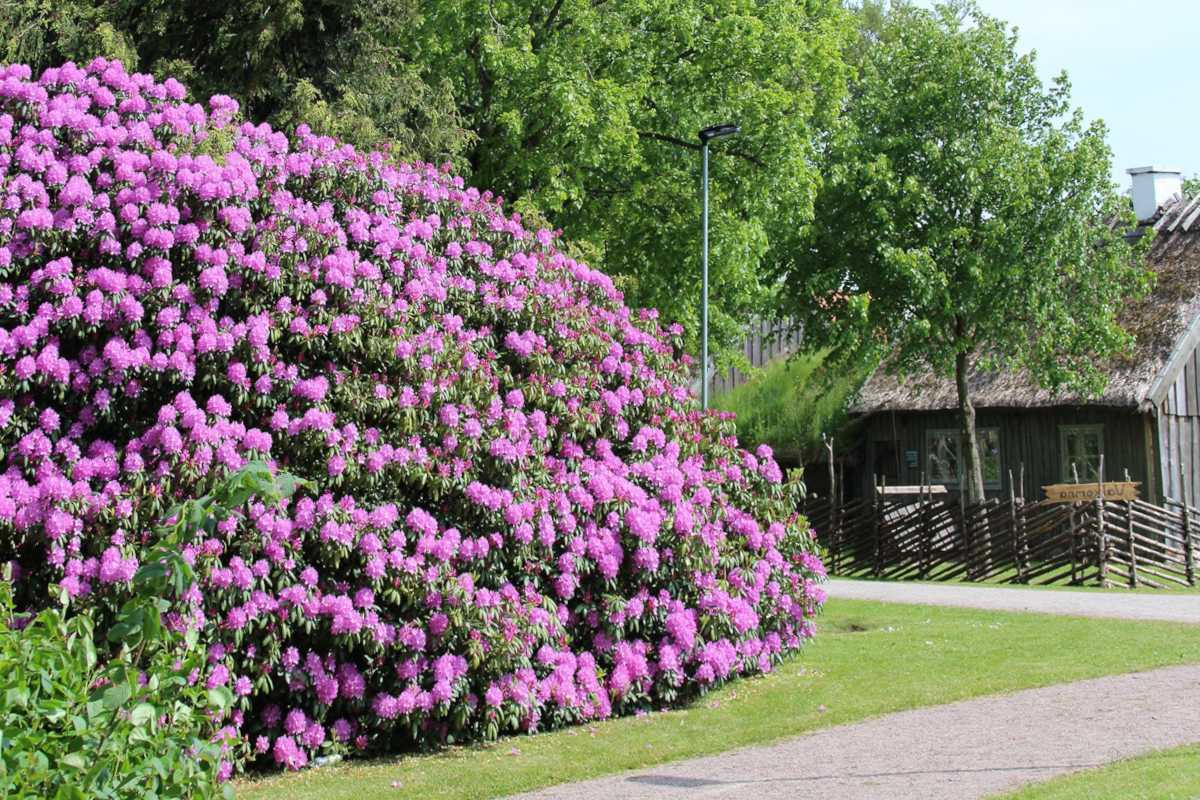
967	221
589	111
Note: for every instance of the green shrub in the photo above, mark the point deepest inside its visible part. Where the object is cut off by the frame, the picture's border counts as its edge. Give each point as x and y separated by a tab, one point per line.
79	722
74	727
793	400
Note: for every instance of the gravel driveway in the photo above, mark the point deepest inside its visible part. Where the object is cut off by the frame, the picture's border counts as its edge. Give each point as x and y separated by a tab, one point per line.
1125	605
969	749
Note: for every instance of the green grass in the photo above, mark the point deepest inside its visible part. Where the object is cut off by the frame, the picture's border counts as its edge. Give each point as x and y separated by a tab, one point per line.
868	659
1164	775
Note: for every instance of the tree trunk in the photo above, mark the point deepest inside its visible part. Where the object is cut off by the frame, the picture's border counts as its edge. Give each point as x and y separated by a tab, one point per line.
973	469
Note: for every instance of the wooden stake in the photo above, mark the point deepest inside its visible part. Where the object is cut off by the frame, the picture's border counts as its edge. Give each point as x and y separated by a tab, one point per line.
1074	544
1189	556
835	531
879	498
1102	536
926	530
1133	574
1014	527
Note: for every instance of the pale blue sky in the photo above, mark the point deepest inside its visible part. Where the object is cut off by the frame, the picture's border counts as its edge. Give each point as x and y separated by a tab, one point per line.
1133	64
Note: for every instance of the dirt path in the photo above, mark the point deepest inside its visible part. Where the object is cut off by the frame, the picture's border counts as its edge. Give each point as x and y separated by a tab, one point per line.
1125	605
969	749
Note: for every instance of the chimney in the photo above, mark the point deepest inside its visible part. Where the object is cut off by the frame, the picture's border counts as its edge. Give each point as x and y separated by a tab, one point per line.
1152	188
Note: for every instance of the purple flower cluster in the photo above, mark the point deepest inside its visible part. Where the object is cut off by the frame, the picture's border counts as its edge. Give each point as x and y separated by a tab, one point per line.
517	517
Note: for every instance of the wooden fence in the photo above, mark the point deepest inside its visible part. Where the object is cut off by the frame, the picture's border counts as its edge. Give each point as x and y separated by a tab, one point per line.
765	340
937	537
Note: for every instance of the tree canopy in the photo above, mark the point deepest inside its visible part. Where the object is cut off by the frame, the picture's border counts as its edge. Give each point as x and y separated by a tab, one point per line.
967	221
344	67
589	111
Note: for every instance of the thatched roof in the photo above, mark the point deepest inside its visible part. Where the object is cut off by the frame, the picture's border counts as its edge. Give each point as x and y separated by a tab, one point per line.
1164	325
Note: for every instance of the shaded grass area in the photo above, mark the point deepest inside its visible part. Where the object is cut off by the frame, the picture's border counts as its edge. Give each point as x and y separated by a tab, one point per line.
868	659
1165	775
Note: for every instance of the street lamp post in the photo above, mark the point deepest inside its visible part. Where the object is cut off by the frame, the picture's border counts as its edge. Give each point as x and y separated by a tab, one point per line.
706	136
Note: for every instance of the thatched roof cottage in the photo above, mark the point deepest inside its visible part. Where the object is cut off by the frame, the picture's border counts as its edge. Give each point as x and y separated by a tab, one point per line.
1146	422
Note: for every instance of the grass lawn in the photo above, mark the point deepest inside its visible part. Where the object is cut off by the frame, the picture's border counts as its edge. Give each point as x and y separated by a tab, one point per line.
1165	775
868	659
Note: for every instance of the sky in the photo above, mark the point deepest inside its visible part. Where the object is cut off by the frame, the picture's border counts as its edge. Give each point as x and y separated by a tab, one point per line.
1130	63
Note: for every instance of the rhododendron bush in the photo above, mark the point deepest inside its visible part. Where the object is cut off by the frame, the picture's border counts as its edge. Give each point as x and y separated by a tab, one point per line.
515	515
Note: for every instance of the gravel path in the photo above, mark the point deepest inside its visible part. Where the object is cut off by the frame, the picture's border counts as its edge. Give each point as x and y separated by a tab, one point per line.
969	749
1127	605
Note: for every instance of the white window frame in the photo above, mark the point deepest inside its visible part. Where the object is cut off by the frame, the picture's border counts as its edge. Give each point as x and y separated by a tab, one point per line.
932	433
1065	457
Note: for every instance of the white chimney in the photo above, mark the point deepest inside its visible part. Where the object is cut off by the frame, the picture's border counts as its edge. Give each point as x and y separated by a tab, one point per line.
1152	187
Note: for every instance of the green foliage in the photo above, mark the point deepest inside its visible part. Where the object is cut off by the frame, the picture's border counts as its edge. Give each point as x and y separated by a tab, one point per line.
48	32
968	220
792	401
75	726
590	112
121	715
44	33
345	67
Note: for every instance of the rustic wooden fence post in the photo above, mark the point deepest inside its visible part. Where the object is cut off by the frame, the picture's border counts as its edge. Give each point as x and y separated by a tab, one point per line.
1074	533
835	531
880	492
840	499
1189	556
1133	576
1102	553
926	528
968	538
1014	527
1023	530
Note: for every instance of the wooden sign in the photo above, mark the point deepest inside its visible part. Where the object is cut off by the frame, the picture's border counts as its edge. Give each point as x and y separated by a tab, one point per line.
1087	492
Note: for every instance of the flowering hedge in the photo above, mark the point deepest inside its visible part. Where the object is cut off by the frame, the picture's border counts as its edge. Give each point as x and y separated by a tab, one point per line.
516	516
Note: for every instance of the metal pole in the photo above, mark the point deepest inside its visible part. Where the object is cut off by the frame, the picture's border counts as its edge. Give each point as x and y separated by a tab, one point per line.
704	280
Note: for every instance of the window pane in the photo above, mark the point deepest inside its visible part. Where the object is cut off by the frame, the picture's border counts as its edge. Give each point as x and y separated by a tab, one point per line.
989	450
943	456
1082	447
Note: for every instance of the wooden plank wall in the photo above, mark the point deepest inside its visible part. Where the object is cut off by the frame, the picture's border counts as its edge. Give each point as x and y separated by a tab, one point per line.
1027	436
1179	434
765	340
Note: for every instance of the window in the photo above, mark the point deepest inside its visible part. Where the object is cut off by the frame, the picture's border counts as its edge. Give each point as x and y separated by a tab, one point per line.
1081	446
989	454
943	461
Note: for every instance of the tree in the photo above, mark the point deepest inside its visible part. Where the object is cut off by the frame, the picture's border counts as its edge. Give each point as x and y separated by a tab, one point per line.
968	221
344	67
589	111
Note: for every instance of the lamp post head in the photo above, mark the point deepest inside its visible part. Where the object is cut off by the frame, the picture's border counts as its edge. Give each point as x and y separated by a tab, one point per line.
719	132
